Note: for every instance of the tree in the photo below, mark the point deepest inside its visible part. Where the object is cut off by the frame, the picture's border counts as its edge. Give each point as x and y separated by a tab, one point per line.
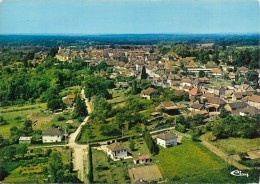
226	77
143	74
224	113
201	74
80	108
131	144
55	167
21	149
204	101
90	166
3	173
252	75
134	87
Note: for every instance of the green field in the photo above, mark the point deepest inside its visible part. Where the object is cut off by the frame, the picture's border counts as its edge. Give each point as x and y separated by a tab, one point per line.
70	90
108	172
237	145
9	114
193	163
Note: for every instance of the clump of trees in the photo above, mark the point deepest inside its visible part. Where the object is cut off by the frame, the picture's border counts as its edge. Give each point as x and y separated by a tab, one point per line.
80	108
95	85
236	126
151	144
57	170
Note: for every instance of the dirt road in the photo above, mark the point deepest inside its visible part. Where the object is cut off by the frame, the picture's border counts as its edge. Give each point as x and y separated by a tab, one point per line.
223	155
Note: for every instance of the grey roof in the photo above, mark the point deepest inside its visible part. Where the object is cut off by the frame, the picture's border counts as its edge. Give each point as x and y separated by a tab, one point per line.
237	105
166	136
116	147
52	131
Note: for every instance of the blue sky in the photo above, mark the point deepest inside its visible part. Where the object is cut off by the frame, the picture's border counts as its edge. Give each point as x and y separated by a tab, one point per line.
128	16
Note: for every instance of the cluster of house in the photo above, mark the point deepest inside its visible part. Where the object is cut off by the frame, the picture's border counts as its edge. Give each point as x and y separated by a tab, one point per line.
117	151
159	69
240	100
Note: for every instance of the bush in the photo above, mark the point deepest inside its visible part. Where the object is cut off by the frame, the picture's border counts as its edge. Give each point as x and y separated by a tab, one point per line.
61	118
180	128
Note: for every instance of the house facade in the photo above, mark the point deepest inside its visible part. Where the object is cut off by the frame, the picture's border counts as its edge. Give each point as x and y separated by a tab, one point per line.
116	150
52	135
166	140
142	159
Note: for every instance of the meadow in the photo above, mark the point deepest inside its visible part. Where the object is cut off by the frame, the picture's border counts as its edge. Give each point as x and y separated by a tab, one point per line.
191	162
12	115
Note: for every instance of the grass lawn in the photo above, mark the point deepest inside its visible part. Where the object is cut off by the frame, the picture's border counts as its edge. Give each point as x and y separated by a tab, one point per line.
140	147
193	163
9	114
108	172
237	145
118	98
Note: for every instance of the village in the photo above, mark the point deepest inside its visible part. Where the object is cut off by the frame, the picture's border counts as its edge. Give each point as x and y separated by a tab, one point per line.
206	90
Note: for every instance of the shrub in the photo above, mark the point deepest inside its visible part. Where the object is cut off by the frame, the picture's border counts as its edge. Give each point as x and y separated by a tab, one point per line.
61	118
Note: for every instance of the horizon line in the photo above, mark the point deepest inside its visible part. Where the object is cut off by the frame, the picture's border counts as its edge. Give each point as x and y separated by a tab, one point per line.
103	34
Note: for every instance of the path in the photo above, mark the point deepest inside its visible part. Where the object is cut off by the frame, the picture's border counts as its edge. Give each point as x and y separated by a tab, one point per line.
162	130
223	155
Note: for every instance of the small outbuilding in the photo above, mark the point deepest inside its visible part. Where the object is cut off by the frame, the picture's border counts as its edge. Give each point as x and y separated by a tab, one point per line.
24	139
142	159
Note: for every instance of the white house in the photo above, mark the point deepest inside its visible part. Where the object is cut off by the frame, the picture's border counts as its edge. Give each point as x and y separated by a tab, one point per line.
167	140
142	159
116	150
52	135
24	139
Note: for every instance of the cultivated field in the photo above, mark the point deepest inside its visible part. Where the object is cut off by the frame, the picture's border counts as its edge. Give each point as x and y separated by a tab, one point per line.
147	173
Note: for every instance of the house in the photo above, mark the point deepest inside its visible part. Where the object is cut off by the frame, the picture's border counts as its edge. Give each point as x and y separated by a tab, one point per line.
249	110
237	96
254	101
24	139
247	88
243	70
201	112
116	150
186	82
219	90
196	107
150	93
197	83
169	108
166	139
194	92
215	104
142	159
234	107
216	72
52	135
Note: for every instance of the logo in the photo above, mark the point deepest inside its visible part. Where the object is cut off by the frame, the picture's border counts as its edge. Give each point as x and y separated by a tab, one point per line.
238	173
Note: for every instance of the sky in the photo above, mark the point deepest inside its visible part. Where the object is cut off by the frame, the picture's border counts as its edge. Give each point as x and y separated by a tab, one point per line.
128	16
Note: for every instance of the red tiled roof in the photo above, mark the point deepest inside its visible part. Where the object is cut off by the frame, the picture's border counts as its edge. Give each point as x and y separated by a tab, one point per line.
71	96
142	157
194	92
